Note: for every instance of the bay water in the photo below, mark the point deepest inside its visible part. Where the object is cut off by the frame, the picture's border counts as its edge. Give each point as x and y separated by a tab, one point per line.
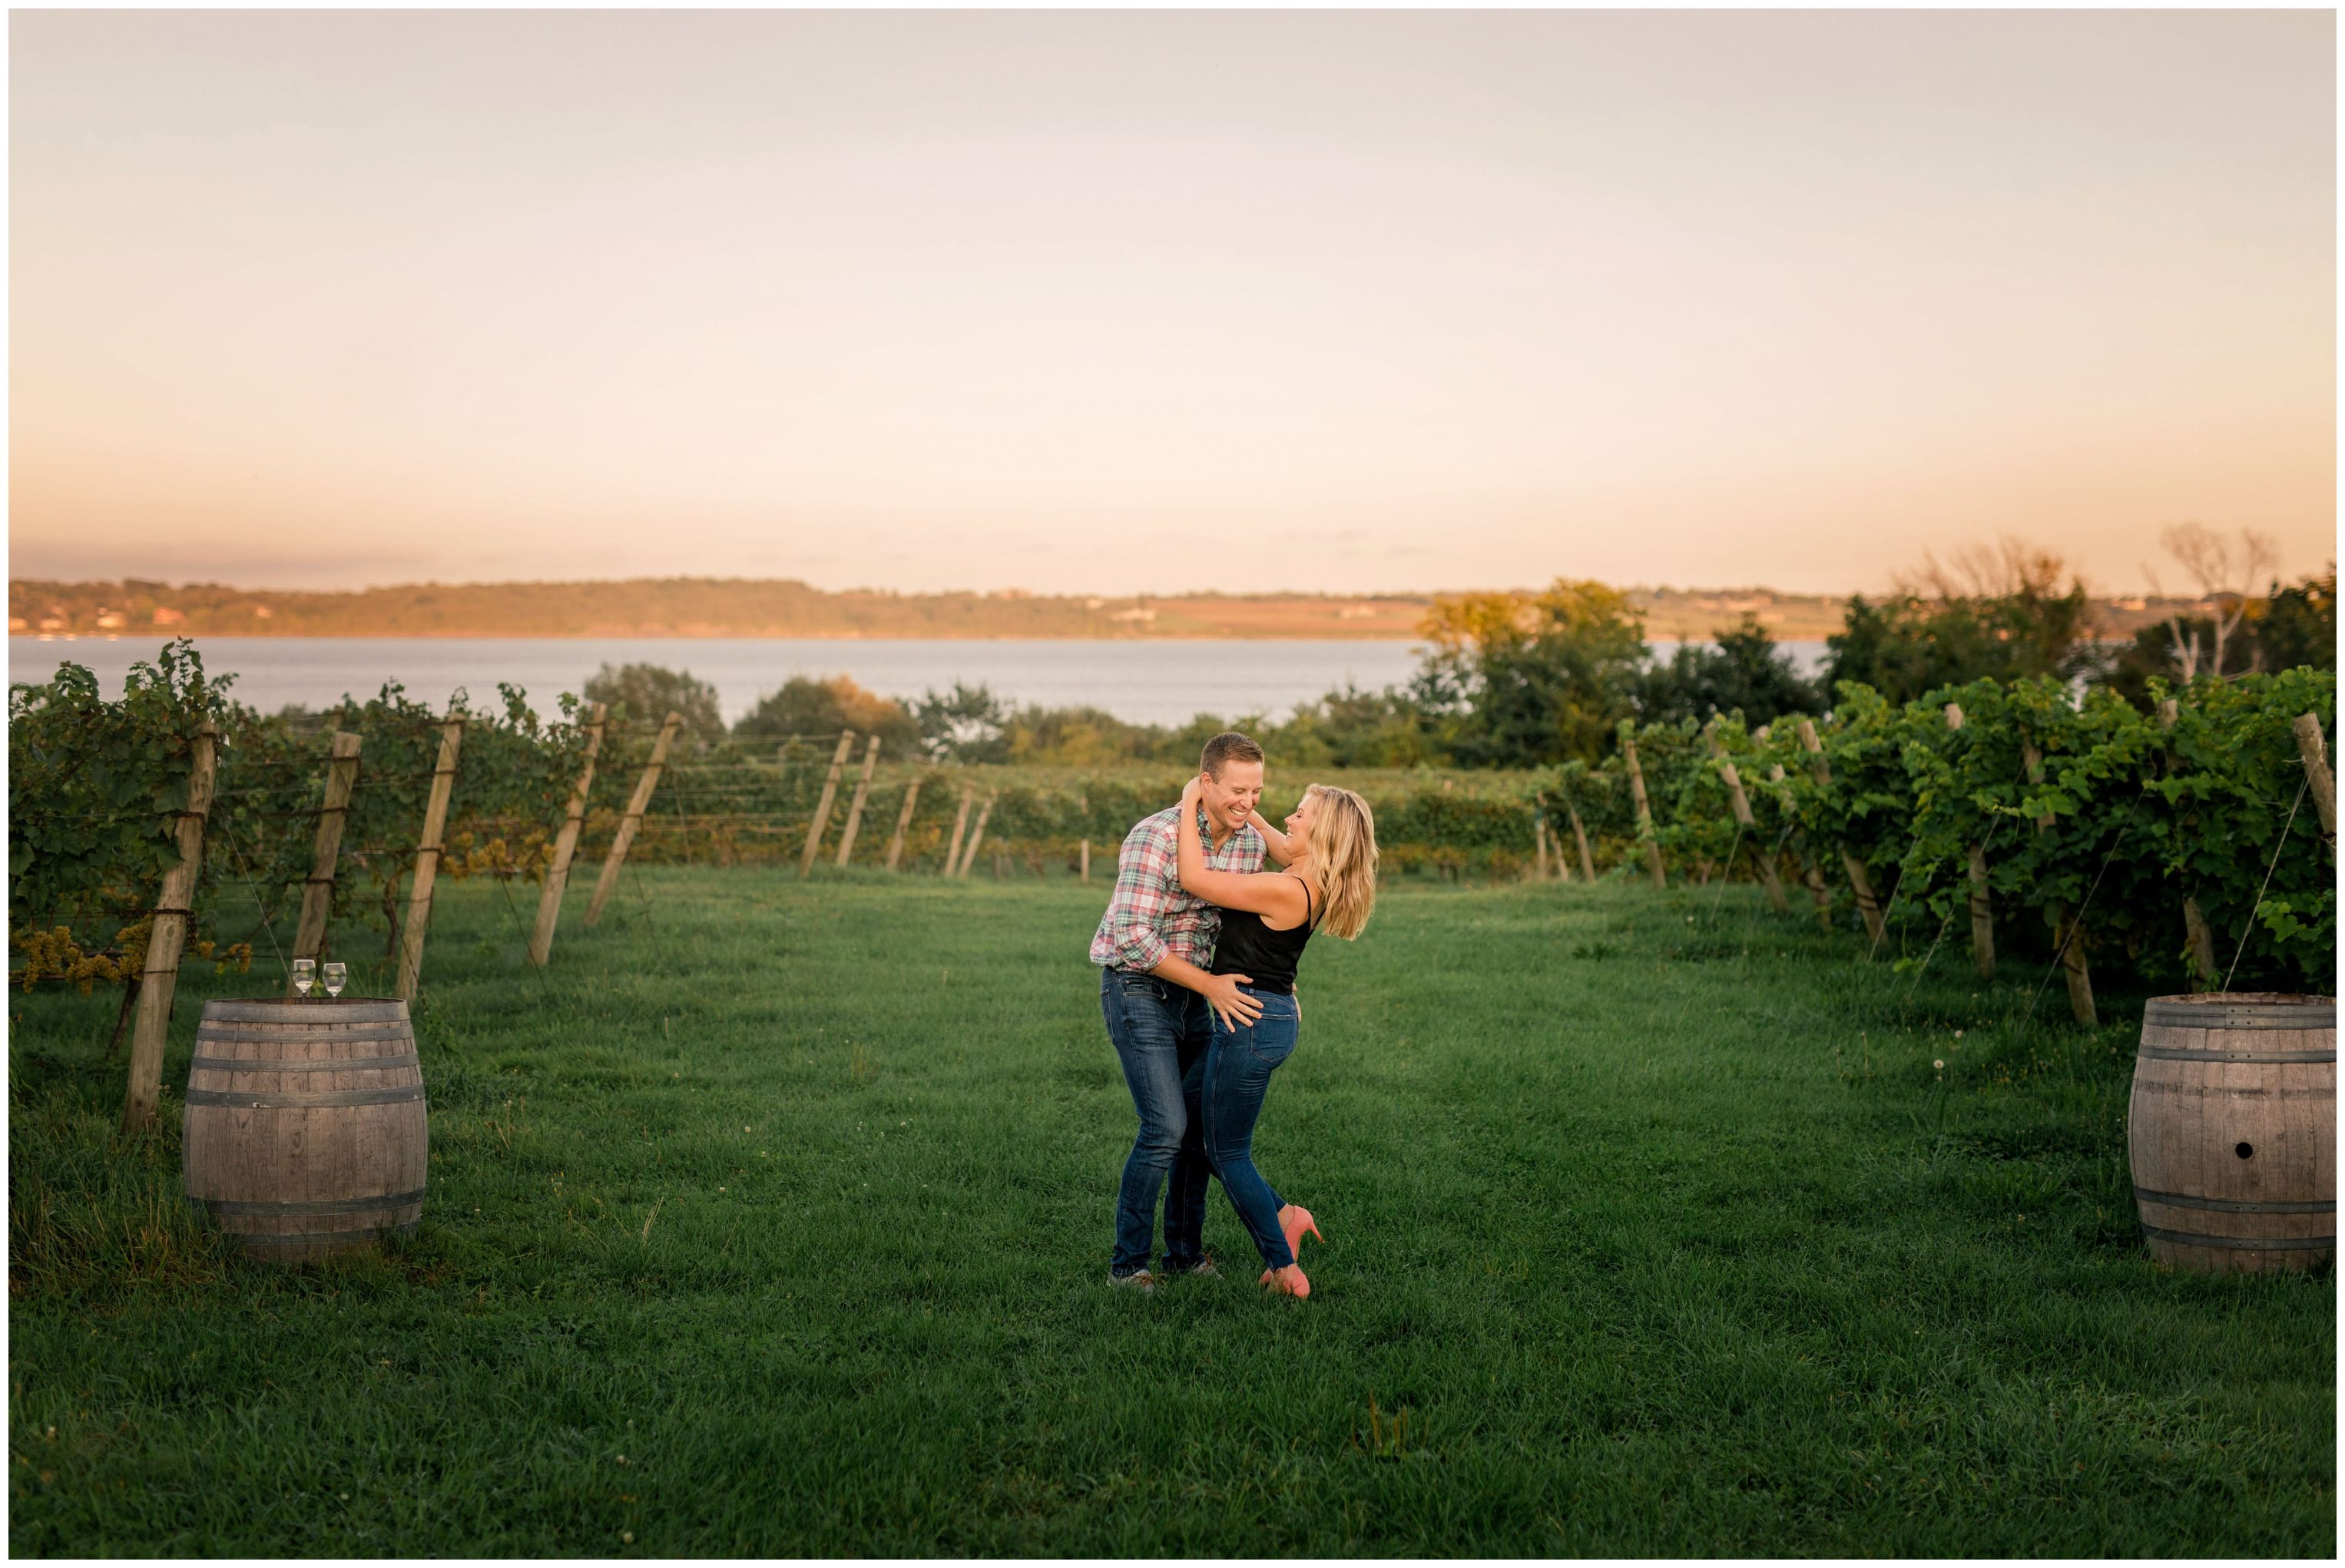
1141	681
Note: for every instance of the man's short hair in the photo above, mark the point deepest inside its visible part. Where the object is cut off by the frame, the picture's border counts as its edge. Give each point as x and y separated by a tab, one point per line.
1229	746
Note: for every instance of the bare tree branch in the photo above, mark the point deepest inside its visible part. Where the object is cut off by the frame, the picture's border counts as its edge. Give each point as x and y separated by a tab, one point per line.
2226	571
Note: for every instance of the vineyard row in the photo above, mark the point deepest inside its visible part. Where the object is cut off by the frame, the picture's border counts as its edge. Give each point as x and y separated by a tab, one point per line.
2067	831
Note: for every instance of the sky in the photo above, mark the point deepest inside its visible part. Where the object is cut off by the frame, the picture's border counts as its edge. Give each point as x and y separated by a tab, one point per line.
1122	302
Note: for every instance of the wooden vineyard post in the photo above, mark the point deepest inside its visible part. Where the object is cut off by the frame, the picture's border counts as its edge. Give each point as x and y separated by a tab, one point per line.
2198	938
427	858
1741	804
1858	881
961	825
318	892
2201	937
2323	782
631	823
1982	904
903	823
2067	935
977	833
565	844
1083	858
1981	916
1644	811
855	810
822	806
1538	840
167	938
1579	836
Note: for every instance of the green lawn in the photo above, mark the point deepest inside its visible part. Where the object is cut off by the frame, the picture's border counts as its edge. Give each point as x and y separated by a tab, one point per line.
774	1217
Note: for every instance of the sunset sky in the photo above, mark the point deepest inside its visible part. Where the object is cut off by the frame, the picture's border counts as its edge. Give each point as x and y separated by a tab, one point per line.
1111	302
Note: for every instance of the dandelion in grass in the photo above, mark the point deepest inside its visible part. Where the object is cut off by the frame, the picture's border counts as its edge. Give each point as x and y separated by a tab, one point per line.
1940	1064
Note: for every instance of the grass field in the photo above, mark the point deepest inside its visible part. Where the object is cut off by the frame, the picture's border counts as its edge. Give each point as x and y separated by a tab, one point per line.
774	1217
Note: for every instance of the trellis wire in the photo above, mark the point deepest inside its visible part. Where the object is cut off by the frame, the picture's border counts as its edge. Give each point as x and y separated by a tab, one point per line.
2247	926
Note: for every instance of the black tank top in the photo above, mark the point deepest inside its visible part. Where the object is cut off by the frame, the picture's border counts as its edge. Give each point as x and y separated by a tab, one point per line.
1249	947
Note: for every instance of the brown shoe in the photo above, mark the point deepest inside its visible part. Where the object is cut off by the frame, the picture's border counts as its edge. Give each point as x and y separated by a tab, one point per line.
1138	1279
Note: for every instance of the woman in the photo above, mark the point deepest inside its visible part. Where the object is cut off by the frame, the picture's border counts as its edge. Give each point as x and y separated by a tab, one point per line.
1328	882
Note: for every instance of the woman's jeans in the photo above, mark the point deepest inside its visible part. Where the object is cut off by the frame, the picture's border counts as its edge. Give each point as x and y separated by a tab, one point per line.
1238	1065
1161	1031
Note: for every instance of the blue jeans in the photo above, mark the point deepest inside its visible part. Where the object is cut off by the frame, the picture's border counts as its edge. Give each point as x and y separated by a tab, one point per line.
1238	1065
1161	1031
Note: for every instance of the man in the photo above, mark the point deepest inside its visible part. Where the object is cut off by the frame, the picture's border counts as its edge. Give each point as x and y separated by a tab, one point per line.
1154	945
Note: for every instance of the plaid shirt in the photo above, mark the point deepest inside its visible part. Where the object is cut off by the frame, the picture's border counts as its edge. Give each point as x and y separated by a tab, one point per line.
1151	917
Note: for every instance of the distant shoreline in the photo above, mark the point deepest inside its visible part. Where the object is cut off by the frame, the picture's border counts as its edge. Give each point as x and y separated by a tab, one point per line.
705	609
635	634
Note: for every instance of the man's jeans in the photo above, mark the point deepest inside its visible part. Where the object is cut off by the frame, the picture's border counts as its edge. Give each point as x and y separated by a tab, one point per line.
1161	1031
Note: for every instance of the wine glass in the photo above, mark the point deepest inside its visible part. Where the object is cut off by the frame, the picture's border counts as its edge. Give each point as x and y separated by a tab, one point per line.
305	974
338	974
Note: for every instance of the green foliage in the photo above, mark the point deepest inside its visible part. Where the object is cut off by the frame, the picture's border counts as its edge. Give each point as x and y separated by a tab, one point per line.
2293	627
2227	809
1524	680
1741	672
1599	792
91	785
2136	819
734	808
1344	729
963	725
1907	645
1866	797
92	782
1354	728
805	706
2298	625
650	692
1090	737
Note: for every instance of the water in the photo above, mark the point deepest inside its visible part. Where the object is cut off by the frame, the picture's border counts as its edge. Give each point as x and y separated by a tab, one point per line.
1151	682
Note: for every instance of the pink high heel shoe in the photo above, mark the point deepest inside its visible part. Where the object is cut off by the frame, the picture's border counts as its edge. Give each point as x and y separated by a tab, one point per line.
1287	1282
1293	1220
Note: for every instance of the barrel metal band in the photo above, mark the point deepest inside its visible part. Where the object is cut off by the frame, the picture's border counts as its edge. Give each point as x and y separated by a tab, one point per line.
2168	1015
306	1238
2233	1205
364	1033
2166	1054
294	1065
306	1206
280	1011
2243	1243
241	1100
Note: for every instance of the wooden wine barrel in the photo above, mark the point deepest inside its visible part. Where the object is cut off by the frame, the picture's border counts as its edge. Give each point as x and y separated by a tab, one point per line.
2232	1131
304	1132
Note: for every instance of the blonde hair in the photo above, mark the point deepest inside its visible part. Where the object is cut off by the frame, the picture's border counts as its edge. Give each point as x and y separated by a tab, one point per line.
1344	859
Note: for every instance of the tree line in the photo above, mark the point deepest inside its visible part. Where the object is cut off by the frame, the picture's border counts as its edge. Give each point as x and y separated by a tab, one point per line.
1530	679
